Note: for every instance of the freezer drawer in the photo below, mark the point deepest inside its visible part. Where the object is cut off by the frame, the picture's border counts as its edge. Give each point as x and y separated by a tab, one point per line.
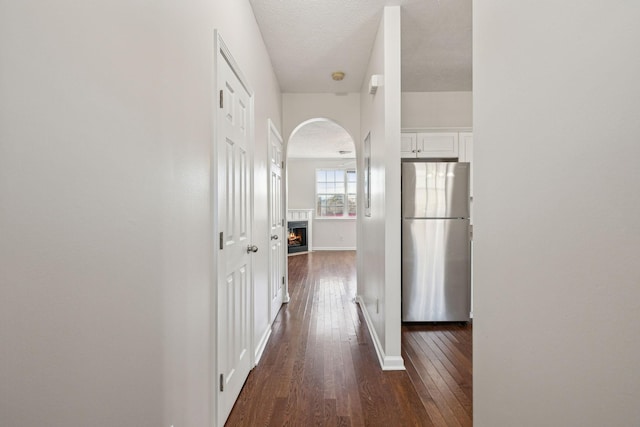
436	270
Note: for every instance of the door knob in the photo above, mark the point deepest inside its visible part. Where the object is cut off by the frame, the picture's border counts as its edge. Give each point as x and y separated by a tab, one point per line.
252	248
274	237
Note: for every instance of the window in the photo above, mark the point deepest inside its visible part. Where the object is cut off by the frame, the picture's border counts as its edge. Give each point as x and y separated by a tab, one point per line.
336	195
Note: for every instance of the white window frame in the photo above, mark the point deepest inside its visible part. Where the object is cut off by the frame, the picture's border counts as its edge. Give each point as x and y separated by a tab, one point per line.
345	214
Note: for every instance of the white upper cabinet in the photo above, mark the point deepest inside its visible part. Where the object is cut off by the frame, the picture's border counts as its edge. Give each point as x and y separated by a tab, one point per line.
439	145
466	146
408	145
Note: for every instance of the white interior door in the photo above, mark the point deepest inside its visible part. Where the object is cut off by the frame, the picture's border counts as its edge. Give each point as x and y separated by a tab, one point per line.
234	191
276	222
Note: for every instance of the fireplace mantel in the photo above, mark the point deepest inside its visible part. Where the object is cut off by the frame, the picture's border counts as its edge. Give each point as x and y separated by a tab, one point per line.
303	215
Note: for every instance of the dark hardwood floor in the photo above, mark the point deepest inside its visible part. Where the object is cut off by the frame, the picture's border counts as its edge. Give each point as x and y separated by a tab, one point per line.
320	366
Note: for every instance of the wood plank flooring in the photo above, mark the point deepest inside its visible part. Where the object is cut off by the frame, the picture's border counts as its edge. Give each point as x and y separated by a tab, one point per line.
320	367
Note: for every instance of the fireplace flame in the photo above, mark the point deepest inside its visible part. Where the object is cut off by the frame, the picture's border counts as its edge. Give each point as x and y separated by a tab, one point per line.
294	239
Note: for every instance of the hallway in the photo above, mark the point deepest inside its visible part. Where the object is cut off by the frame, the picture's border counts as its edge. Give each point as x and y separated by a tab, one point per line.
320	366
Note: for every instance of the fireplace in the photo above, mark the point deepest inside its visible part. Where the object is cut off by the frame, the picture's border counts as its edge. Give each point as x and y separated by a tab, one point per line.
297	238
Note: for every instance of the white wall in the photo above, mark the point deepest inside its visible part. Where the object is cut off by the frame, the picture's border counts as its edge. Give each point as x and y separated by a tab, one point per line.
328	234
437	109
105	136
344	109
379	234
557	193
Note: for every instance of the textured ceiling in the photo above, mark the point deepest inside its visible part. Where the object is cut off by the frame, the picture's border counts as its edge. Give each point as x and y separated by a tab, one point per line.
320	139
436	46
309	39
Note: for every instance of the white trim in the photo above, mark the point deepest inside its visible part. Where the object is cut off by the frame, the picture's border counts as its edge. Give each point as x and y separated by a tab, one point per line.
437	129
262	344
224	50
272	131
213	218
220	49
387	363
346	159
336	218
299	214
298	253
335	248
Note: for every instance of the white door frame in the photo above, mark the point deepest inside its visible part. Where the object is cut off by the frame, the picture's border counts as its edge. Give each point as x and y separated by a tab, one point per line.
272	132
221	48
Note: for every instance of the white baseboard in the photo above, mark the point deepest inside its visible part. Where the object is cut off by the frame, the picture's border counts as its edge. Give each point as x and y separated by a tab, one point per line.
334	249
299	253
387	363
262	344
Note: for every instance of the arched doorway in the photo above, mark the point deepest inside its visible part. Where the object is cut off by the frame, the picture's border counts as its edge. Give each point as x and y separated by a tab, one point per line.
321	187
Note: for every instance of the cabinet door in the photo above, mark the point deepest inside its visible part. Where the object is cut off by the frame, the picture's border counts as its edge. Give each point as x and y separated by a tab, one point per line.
438	145
408	145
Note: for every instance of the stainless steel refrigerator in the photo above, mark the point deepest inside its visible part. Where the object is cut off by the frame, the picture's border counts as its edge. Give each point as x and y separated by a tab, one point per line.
436	242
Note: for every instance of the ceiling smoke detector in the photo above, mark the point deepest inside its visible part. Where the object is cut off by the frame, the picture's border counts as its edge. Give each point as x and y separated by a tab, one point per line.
337	75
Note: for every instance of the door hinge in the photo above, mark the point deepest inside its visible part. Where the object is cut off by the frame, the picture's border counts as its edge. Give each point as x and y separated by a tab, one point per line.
283	222
221	240
283	280
471	233
221	98
221	382
282	164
